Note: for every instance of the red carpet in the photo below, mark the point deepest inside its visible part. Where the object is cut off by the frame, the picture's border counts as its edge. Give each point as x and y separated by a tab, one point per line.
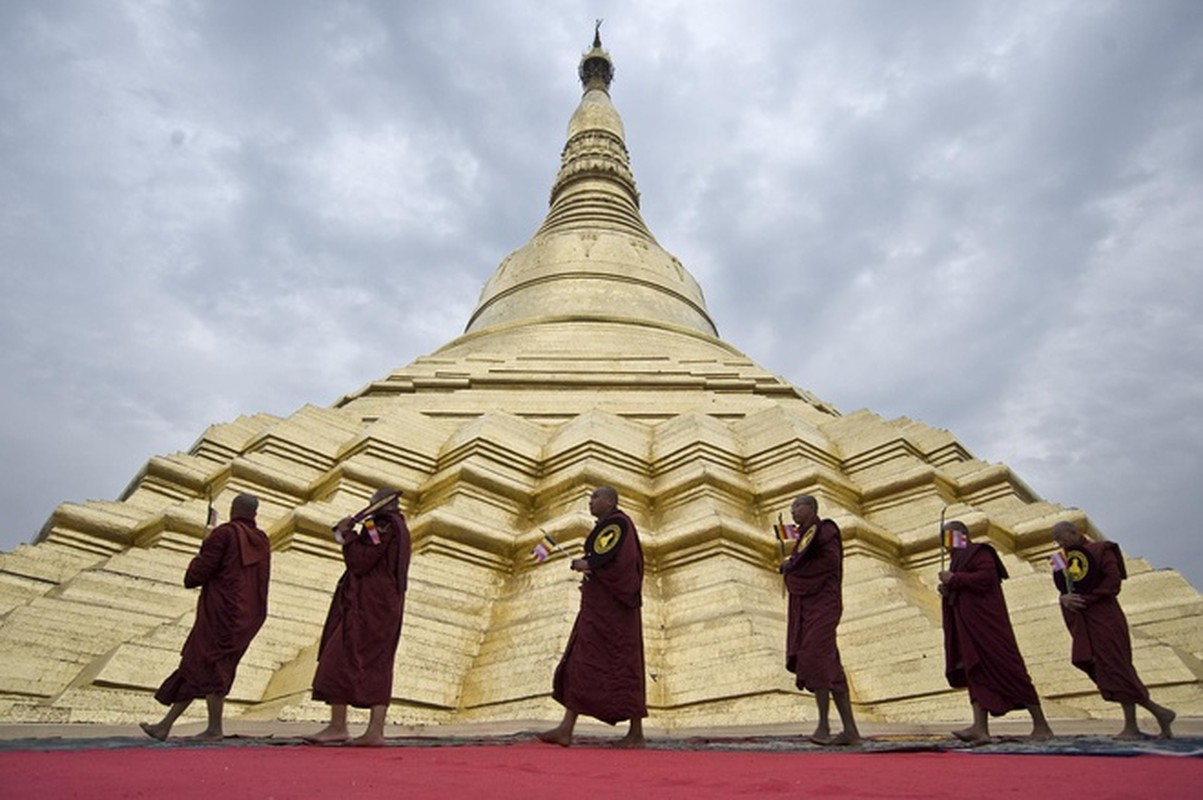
532	770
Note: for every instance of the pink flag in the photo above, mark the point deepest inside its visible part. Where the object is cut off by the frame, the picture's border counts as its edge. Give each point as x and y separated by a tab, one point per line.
541	552
1058	561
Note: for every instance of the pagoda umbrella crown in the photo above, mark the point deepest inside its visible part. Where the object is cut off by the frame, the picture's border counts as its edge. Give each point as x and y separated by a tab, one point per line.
593	259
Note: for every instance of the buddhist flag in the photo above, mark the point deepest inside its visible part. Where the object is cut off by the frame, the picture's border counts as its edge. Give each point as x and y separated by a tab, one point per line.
785	532
543	549
955	539
369	527
1060	565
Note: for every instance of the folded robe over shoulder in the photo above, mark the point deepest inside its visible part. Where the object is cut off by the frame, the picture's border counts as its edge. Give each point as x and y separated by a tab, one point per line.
363	626
232	569
1102	645
980	651
814	578
601	673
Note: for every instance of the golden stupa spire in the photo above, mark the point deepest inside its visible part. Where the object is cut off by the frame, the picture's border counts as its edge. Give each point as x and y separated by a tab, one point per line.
593	258
595	185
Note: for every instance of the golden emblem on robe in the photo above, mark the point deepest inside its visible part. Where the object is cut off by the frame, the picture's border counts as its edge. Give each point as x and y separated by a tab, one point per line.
806	539
607	538
1077	565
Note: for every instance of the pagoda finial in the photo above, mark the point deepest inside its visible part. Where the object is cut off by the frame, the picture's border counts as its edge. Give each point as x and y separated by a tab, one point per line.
596	70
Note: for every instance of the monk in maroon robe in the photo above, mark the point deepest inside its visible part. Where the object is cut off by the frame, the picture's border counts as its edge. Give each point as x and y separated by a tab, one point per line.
602	672
363	626
1102	645
980	651
814	574
232	570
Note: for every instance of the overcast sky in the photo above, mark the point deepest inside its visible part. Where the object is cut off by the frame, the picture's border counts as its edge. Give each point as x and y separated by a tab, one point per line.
991	214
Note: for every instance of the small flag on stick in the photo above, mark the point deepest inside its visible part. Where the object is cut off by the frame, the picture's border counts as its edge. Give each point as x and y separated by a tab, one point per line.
1060	564
785	532
543	549
369	526
955	539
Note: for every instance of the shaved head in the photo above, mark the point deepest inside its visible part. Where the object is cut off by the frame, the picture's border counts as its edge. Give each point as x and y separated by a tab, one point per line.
956	525
607	493
245	506
1067	534
806	500
1064	526
603	501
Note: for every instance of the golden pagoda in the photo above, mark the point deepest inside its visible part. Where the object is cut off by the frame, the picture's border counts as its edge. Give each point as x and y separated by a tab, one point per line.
590	359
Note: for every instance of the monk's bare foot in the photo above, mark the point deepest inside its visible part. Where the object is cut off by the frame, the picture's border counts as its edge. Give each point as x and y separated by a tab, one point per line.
555	736
630	742
368	740
1040	733
328	735
1129	735
1164	719
846	739
205	736
972	735
158	731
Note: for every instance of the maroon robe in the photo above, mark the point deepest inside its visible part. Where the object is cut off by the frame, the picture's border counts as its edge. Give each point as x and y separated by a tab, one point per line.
602	671
363	626
814	577
980	651
232	569
1102	646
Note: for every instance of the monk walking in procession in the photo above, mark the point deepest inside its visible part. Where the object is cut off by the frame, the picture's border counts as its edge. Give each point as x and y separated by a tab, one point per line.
1089	580
232	569
980	651
814	574
363	625
601	673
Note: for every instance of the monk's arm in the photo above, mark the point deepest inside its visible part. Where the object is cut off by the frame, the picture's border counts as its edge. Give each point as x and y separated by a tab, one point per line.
827	559
207	561
821	557
360	555
976	577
